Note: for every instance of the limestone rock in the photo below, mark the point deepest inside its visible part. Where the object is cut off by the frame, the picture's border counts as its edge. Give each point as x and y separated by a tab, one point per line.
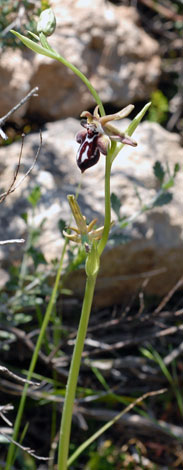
104	41
153	243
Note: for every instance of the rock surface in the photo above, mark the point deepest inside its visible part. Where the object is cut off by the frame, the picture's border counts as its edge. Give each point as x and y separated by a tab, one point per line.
154	242
104	41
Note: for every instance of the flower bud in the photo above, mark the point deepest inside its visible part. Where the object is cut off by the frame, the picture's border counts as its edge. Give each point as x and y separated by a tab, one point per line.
92	262
47	22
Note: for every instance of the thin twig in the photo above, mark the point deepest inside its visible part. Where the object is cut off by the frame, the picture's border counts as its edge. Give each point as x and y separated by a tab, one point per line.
8	242
4	409
4	195
18	105
173	354
167	297
14	186
33	92
12	189
6	371
25	449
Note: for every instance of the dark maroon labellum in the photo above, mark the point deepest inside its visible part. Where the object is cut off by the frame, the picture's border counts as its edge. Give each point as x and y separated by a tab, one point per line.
88	153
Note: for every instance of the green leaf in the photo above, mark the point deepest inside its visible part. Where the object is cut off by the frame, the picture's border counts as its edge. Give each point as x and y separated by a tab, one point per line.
176	169
34	196
61	225
168	184
24	216
159	171
162	199
131	128
116	204
136	121
147	353
33	35
45	43
34	46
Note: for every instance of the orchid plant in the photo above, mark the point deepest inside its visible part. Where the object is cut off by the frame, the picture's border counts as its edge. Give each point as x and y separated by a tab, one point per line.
98	136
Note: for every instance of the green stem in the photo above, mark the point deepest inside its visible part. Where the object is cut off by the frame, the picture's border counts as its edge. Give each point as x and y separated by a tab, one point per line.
73	375
107	221
11	451
49	52
84	80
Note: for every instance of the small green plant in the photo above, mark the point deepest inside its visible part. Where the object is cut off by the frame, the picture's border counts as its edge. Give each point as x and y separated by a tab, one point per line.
171	377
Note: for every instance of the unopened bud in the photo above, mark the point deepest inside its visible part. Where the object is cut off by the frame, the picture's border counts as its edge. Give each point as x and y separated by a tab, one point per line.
92	262
47	22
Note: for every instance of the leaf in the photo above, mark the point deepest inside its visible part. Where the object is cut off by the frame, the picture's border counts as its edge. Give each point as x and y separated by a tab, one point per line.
61	225
131	128
169	184
24	216
34	46
176	169
34	196
33	35
136	121
163	198
116	204
159	171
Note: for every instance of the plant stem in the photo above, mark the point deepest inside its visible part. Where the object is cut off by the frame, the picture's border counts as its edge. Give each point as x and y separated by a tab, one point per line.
73	375
11	451
107	220
49	52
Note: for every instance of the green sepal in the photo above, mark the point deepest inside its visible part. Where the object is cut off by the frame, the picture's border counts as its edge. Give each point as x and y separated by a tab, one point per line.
44	42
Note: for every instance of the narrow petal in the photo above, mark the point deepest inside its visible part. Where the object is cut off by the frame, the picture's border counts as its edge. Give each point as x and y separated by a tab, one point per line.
115	117
96	234
87	115
91	225
124	139
73	238
115	134
74	229
96	112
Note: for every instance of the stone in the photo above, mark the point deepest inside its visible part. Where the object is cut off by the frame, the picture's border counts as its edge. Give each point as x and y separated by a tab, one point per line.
150	251
104	41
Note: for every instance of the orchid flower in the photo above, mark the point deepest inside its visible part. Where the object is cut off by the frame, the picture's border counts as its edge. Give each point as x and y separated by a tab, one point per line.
98	134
